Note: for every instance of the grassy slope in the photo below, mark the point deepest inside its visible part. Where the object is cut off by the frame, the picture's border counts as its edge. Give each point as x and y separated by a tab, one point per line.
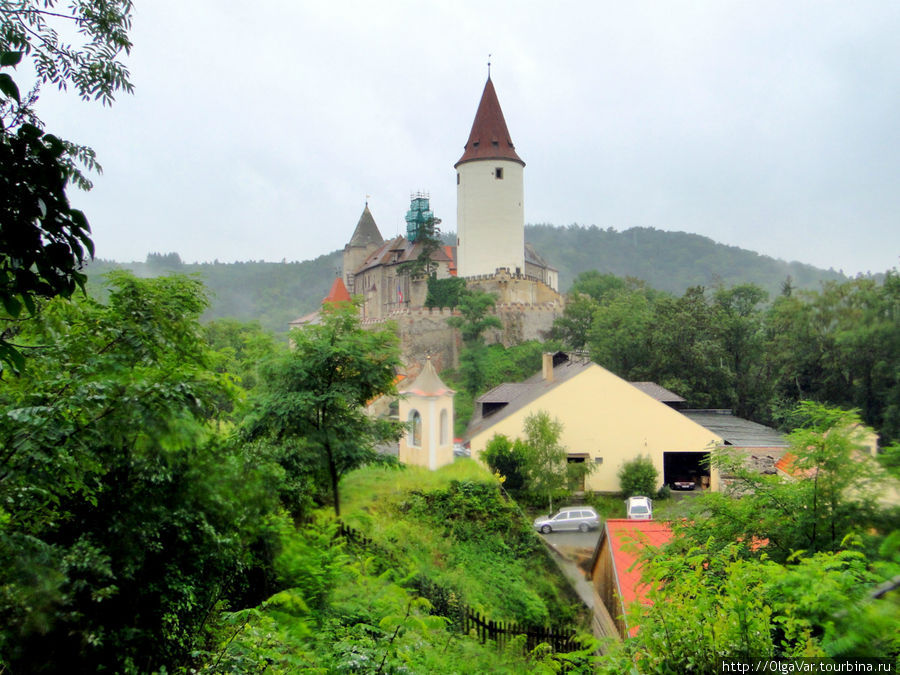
453	529
349	607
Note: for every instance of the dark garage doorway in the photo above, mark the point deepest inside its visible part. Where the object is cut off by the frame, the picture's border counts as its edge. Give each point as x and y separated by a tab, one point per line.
680	466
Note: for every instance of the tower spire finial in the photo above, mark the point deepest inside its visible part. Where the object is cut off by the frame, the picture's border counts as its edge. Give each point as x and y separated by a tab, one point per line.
489	66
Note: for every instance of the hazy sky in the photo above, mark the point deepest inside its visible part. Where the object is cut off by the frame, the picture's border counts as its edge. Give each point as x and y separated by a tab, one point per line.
258	128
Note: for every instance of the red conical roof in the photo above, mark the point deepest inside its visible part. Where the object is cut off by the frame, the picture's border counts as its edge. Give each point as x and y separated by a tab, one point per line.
489	138
338	293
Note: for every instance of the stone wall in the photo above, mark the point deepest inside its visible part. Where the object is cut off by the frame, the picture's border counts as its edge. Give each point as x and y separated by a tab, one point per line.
424	332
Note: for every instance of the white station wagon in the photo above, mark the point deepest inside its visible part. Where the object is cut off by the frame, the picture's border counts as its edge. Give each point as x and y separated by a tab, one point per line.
581	518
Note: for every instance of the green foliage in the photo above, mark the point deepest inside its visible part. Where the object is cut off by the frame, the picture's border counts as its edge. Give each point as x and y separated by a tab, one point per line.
545	458
778	568
445	292
638	477
834	491
312	400
889	458
93	67
506	458
349	608
44	241
475	318
819	606
132	522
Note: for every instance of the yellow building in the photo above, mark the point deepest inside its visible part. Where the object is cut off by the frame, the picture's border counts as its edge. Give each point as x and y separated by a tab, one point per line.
426	405
606	421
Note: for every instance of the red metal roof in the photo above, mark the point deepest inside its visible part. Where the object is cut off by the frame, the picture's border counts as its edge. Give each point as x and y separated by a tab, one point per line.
625	537
489	138
338	293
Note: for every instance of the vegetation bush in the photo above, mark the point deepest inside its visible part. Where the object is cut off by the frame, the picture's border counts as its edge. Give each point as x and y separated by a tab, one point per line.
638	477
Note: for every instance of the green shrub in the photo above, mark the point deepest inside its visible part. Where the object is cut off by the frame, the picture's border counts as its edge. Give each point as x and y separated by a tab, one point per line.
638	477
664	492
507	458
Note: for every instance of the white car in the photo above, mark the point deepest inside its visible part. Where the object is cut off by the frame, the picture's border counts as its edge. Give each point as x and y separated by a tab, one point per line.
581	518
639	508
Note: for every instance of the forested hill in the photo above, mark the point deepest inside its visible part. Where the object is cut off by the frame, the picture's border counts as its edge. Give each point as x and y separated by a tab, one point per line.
668	261
276	293
272	293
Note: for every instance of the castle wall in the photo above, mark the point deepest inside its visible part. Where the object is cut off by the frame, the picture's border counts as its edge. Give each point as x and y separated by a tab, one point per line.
424	332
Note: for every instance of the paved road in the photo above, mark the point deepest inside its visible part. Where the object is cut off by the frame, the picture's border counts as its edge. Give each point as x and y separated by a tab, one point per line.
574	540
571	551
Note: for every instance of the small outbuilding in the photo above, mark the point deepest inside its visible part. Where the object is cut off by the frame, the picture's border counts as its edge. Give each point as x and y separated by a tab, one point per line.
615	579
426	405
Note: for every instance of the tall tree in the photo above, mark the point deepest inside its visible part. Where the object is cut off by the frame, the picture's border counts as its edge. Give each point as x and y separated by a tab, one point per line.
740	330
312	400
545	457
44	242
123	521
475	318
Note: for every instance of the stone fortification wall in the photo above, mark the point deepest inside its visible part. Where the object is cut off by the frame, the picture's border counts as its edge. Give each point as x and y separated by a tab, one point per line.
524	322
424	332
515	288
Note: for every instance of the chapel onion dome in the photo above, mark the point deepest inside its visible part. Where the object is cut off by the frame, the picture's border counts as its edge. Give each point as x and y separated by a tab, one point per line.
489	138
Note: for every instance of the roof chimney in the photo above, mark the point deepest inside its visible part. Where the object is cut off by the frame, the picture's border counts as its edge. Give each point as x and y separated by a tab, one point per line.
547	368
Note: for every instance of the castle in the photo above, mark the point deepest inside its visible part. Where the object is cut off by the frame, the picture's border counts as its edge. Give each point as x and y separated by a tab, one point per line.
490	253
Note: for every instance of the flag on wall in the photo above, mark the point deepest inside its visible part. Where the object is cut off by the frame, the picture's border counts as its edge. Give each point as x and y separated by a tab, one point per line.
399	292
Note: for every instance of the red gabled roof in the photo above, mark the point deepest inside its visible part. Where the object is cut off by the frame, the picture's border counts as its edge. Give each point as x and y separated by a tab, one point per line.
625	537
489	138
451	253
338	293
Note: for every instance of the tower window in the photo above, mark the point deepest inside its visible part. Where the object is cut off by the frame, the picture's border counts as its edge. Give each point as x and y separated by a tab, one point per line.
498	173
457	178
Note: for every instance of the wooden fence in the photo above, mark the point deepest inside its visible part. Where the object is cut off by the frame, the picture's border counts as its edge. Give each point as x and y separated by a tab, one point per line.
466	620
560	639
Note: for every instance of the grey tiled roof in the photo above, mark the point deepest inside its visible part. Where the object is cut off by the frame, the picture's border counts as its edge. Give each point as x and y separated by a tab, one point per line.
658	392
736	430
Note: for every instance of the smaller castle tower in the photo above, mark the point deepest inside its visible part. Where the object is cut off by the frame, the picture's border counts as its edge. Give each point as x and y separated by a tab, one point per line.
365	240
426	405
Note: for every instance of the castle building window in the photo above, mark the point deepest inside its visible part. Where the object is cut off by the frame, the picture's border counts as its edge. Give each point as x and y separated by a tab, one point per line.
457	178
414	437
498	173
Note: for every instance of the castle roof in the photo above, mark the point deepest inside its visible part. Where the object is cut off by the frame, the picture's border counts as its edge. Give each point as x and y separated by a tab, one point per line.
399	250
338	292
489	138
366	231
428	383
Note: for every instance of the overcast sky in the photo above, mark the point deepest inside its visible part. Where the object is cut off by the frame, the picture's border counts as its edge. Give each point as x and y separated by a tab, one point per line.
257	129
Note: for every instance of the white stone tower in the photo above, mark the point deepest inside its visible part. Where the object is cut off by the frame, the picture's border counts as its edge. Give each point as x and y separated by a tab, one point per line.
490	212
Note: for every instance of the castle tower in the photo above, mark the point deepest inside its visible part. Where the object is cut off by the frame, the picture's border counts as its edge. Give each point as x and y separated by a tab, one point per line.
366	239
490	213
426	405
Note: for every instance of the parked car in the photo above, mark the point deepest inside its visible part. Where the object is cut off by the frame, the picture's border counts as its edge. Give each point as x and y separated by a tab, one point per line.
581	518
684	483
639	508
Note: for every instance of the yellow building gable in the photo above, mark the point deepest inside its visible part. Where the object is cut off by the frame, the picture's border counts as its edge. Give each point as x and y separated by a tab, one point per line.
606	420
